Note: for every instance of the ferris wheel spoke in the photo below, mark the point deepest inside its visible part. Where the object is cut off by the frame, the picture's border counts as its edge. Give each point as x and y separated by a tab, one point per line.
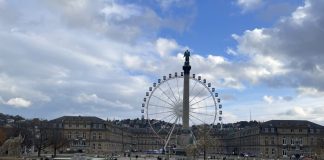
196	118
172	92
203	107
194	86
159	106
160	112
174	116
167	123
178	89
197	95
203	113
163	100
166	95
201	100
165	118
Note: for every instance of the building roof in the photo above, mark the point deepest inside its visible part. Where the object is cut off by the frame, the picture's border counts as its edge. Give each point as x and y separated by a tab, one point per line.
288	123
91	119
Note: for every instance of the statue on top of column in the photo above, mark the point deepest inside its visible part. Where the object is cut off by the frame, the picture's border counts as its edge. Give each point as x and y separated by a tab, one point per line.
186	55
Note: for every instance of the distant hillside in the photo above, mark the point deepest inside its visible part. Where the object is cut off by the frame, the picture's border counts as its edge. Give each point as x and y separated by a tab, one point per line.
5	118
135	123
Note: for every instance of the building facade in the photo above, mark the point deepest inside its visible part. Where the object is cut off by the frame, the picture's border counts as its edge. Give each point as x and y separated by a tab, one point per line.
271	139
96	136
277	139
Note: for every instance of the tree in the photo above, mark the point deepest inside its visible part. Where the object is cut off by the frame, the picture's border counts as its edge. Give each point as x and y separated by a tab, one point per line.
192	150
205	141
41	135
3	136
320	147
57	139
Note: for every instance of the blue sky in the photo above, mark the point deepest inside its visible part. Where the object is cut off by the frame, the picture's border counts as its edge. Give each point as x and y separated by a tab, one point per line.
99	57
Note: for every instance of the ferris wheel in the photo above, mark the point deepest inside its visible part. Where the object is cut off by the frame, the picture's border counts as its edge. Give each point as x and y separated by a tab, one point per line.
163	105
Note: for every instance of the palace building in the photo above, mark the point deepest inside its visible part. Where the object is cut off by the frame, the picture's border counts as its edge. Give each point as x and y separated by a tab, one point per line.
271	139
277	139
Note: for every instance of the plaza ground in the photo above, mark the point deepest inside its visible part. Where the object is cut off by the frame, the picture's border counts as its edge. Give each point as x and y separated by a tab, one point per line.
133	157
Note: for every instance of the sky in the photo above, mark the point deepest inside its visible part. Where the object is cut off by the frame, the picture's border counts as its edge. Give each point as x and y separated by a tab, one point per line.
98	58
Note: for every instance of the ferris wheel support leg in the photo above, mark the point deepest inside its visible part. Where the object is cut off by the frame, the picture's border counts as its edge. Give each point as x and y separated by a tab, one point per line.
170	134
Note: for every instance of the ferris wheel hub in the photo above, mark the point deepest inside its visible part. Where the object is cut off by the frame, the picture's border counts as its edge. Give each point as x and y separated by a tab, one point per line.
178	109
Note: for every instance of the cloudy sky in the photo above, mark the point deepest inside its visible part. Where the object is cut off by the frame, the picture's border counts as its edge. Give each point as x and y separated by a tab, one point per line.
99	57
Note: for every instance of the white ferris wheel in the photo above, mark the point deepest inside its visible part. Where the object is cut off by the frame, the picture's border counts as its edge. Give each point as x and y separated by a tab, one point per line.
163	105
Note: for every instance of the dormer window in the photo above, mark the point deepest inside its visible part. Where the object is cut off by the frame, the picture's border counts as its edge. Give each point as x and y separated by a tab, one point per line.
266	130
311	130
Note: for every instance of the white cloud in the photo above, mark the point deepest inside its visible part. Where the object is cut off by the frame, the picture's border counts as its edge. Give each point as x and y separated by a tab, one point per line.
248	5
309	91
166	46
167	4
268	99
98	55
94	99
120	12
298	111
232	83
290	53
276	99
19	102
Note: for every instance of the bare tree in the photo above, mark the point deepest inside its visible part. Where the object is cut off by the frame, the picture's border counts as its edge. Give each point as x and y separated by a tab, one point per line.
205	142
57	139
192	150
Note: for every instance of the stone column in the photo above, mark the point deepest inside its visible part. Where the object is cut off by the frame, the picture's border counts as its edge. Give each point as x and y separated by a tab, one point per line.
185	111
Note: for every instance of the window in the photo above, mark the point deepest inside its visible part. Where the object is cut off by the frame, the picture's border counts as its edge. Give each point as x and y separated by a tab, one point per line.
266	140
292	130
77	125
311	130
284	142
94	136
272	130
99	146
94	146
272	151
292	141
99	135
272	140
300	130
267	151
69	135
266	130
84	126
284	152
84	135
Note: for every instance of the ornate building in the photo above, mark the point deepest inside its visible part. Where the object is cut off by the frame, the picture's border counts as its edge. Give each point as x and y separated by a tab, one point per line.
277	139
96	136
271	139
